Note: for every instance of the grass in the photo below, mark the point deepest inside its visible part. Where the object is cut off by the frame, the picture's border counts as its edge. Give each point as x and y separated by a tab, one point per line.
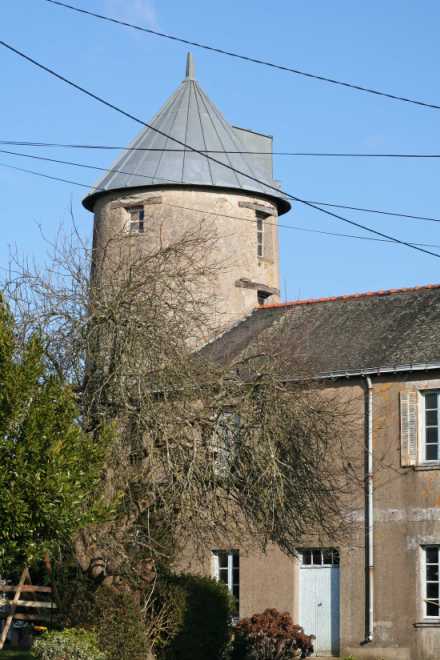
15	655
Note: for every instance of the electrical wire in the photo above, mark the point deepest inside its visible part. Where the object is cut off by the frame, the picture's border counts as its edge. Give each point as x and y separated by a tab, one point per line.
314	154
223	215
146	176
278	191
86	166
295	227
253	60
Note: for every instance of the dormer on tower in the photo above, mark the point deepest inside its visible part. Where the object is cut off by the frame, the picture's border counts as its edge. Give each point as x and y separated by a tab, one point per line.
156	180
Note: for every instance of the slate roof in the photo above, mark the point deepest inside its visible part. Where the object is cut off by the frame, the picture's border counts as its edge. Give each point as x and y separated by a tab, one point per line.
354	334
191	117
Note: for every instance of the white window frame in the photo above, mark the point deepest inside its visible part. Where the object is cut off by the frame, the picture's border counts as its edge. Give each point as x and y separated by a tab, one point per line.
135	226
421	453
216	570
333	552
426	616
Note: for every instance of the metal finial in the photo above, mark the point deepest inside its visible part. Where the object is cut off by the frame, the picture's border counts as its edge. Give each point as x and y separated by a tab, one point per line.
189	67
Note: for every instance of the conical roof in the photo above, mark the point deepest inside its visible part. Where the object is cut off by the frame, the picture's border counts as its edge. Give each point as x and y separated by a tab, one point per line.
153	159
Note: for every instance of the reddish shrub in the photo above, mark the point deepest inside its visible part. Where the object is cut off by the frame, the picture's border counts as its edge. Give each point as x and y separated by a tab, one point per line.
271	636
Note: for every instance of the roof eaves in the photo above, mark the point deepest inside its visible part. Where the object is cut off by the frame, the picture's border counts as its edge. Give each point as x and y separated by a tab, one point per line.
378	371
350	296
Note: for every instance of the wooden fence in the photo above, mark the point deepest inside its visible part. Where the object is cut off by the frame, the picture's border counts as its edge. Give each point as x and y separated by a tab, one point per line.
28	590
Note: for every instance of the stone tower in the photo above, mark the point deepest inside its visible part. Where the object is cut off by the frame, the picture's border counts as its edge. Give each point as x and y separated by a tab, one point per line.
156	180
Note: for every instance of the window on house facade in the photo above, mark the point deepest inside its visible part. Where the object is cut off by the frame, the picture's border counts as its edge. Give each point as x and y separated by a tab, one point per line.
430	430
260	233
431	581
224	441
226	569
319	557
419	428
136	219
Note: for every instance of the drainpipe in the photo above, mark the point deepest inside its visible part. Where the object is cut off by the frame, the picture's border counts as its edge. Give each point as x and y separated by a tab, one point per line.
370	511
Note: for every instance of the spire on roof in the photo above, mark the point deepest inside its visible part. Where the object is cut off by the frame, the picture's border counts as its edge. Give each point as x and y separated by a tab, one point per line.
158	157
189	67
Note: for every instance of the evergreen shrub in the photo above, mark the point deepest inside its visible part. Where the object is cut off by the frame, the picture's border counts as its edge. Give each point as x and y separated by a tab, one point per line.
70	644
205	617
114	616
119	624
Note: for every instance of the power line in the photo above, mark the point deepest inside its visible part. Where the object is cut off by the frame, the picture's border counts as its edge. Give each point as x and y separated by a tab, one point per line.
379	211
295	227
246	58
146	176
86	166
211	158
47	176
223	215
313	154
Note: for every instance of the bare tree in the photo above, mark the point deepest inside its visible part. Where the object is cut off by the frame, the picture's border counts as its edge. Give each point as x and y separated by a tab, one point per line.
204	449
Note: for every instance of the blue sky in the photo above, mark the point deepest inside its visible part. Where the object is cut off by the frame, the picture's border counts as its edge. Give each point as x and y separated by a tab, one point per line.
389	45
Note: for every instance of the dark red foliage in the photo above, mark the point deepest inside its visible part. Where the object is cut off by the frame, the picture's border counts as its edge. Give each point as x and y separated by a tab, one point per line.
273	636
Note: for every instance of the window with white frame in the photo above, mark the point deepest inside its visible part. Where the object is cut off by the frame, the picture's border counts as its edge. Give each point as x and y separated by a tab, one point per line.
226	569
319	557
419	427
431	581
430	450
136	219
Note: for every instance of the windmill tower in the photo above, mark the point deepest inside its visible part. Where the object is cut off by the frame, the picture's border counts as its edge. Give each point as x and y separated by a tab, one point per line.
156	181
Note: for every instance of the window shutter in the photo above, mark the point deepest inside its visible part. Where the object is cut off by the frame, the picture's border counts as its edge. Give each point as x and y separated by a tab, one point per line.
408	428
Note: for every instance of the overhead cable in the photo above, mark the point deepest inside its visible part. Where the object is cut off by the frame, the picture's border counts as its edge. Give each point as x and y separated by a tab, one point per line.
86	166
246	58
112	170
278	191
223	215
312	154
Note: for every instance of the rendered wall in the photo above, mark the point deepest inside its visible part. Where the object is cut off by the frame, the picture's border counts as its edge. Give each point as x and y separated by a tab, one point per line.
170	211
406	516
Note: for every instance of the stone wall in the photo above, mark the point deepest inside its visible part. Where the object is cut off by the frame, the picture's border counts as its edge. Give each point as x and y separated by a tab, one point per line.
229	217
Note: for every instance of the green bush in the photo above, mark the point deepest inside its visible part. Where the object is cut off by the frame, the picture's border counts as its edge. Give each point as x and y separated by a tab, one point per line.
204	622
119	625
71	644
75	597
165	612
113	615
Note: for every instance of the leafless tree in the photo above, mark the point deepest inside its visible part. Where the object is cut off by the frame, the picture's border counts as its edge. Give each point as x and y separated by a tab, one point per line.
203	449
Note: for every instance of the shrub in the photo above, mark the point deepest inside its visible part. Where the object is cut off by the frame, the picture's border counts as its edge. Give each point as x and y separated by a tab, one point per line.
75	598
204	620
115	616
119	625
165	612
71	644
270	636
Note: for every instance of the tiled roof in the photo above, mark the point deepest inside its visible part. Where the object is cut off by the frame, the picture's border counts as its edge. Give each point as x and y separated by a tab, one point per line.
352	333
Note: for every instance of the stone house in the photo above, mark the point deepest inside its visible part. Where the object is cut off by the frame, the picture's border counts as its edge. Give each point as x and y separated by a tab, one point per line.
378	595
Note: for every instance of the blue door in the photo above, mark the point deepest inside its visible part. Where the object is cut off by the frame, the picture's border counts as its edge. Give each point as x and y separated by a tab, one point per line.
319	598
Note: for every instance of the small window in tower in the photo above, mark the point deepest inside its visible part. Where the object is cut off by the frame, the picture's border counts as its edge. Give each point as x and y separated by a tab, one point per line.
136	219
260	234
262	296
